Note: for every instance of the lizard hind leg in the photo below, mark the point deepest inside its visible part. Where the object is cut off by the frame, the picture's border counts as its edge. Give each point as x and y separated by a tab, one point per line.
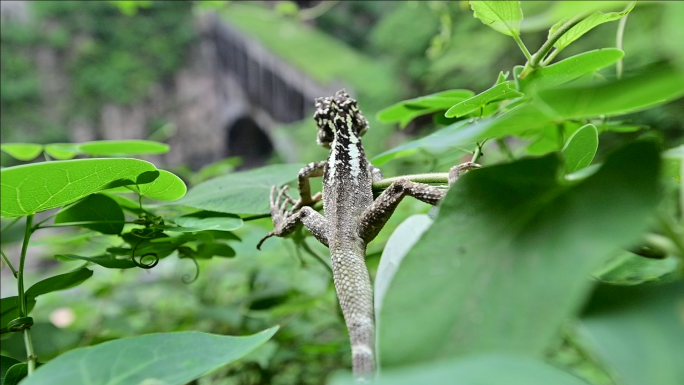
285	222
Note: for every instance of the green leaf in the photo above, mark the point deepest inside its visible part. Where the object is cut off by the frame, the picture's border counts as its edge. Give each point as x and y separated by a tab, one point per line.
62	151
22	151
438	140
628	268
123	147
109	261
32	188
405	111
9	309
398	244
242	192
167	187
580	148
209	250
512	245
164	358
652	87
483	369
210	220
584	26
15	374
560	10
503	16
638	331
5	364
59	282
674	164
502	77
96	207
569	69
503	91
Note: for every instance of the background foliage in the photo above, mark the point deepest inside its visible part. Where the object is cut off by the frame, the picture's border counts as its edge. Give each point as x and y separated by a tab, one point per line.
566	193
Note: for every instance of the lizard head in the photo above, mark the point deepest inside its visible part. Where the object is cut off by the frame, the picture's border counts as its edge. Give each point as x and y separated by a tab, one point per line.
331	117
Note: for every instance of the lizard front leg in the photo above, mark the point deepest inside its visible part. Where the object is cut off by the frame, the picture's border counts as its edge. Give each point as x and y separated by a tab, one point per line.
311	170
285	222
378	213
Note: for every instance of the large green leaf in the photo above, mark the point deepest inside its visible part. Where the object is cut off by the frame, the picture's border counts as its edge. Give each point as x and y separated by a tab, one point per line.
122	147
5	364
15	374
96	207
59	282
503	16
398	245
580	148
584	26
242	192
109	261
164	358
638	332
649	88
31	188
405	111
484	369
563	10
209	220
569	69
438	140
627	268
167	187
9	306
502	91
22	151
507	259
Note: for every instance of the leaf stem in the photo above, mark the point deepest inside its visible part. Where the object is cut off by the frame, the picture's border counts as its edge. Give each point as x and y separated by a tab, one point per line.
10	224
504	148
620	35
536	59
433	178
523	48
23	306
14	272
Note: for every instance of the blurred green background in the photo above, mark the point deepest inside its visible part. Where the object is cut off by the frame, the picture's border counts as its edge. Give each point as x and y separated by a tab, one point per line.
77	71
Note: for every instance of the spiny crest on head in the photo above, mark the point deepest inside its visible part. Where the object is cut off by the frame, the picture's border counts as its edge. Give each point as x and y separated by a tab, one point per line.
340	105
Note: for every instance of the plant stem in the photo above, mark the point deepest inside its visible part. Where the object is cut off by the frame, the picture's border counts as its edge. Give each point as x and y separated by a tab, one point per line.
29	351
523	48
478	152
619	38
23	306
536	59
14	272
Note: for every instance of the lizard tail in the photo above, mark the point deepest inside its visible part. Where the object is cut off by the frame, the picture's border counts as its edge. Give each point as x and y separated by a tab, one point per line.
353	286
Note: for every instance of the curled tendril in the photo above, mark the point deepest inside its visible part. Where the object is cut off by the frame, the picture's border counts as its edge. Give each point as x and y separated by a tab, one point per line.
186	277
142	264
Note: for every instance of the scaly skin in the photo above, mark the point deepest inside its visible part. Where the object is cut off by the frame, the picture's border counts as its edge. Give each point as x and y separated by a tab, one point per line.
352	218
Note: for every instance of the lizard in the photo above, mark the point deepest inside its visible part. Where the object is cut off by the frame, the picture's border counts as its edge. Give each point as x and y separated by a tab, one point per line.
352	218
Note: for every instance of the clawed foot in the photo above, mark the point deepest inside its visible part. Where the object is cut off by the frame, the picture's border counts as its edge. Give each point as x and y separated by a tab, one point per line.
279	212
456	171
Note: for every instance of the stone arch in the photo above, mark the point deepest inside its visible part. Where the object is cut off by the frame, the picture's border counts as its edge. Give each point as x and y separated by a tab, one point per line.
246	139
